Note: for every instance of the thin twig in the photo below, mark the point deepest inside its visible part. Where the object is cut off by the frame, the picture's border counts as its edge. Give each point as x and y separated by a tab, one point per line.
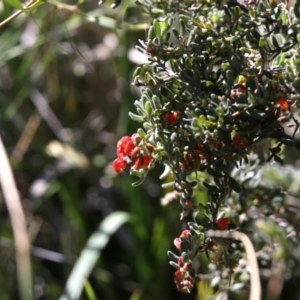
17	217
255	287
27	135
18	12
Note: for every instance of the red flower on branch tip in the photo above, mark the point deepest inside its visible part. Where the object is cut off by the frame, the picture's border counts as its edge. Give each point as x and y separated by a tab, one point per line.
172	117
124	146
141	162
177	241
184	282
222	223
239	141
119	165
283	104
128	151
185	233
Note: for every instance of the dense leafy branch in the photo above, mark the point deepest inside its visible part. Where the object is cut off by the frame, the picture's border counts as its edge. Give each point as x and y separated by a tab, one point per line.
222	76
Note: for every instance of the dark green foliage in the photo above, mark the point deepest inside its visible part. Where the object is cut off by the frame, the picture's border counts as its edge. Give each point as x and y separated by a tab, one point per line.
223	77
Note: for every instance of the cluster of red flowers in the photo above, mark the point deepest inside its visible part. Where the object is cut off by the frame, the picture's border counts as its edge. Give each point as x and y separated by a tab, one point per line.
182	278
198	157
129	152
194	159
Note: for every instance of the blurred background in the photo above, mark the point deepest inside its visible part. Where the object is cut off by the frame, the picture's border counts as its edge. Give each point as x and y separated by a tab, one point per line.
65	94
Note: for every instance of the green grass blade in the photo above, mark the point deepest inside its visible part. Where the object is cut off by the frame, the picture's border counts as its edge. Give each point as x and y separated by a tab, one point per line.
90	254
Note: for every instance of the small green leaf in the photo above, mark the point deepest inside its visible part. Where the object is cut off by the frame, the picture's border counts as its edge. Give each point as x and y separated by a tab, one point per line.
91	252
211	188
16	4
288	142
296	84
234	185
166	172
275	150
174	265
214	173
297	10
157	28
151	33
172	255
229	78
176	33
256	114
135	117
262	42
168	184
278	159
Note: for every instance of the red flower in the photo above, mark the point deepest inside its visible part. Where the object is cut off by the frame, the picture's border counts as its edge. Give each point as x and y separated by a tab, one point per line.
184	166
128	152
177	243
283	104
136	138
210	244
141	162
135	151
178	276
151	51
171	118
222	223
120	152
185	233
239	141
146	160
237	91
124	146
119	165
180	262
137	163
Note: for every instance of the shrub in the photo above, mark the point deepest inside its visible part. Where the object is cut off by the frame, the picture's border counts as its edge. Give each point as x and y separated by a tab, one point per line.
222	83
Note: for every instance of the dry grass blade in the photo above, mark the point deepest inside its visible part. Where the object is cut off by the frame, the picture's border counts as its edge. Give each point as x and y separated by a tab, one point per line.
17	217
255	289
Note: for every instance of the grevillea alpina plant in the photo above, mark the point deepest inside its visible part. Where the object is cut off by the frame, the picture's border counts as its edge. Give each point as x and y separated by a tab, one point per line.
222	77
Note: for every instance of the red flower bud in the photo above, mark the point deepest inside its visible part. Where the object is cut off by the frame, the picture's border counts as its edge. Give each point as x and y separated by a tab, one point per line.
135	151
136	138
137	163
123	141
185	233
180	262
150	147
222	223
177	243
239	141
171	118
146	160
178	276
119	165
283	104
151	51
125	146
